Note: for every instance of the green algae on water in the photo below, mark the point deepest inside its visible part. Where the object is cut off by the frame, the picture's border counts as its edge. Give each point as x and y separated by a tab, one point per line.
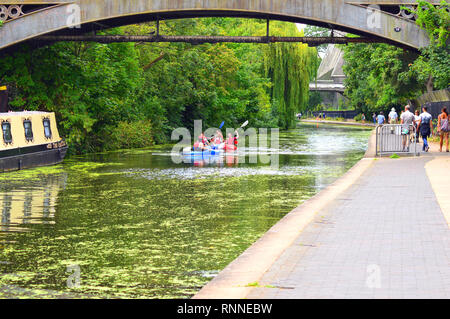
134	235
31	174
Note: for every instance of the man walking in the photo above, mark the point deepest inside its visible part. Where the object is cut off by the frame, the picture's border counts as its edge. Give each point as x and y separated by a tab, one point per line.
425	127
407	120
381	119
393	116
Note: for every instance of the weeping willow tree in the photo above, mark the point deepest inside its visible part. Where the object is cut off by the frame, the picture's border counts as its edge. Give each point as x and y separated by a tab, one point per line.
291	67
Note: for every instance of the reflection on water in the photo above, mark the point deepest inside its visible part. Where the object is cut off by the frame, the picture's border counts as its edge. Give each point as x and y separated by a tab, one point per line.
221	160
137	225
30	203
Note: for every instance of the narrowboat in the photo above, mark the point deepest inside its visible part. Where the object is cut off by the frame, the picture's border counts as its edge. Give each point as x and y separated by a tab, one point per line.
29	139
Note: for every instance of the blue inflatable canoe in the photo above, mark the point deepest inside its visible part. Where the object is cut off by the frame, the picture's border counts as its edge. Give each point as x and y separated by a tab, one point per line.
204	153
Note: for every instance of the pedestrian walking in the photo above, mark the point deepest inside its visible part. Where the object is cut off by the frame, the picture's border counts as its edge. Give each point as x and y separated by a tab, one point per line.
443	128
416	124
425	127
407	121
380	118
374	118
393	116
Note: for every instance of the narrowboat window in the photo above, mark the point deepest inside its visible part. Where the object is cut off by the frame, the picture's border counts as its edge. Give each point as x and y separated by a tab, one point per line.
6	129
47	129
28	130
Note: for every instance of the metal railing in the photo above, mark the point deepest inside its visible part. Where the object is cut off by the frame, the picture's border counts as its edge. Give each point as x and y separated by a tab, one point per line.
394	139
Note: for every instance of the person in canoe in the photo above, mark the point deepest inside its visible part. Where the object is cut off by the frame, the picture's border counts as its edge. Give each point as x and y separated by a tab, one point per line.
232	142
217	141
202	144
236	140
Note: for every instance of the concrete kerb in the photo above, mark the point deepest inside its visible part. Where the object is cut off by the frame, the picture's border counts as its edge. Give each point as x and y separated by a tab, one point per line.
438	172
233	281
372	146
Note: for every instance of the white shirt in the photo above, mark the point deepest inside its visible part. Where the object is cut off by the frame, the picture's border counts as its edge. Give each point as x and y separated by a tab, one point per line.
393	115
417	119
408	119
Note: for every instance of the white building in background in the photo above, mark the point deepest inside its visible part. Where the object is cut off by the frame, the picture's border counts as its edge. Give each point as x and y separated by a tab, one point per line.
330	78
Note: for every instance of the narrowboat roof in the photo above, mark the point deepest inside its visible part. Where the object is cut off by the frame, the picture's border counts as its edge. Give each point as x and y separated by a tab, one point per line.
23	113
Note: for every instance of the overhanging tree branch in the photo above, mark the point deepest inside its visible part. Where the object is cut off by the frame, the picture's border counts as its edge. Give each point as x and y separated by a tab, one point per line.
148	66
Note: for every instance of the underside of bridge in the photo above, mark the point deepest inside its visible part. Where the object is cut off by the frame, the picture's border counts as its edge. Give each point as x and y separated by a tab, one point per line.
28	19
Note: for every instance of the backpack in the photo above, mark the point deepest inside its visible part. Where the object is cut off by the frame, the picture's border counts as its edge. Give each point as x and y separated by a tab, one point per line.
445	127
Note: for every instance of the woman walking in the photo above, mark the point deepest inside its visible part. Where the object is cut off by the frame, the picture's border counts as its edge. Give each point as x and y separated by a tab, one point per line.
443	128
416	124
425	127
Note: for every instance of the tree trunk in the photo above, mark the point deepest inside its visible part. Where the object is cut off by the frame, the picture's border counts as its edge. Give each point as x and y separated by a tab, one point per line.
430	84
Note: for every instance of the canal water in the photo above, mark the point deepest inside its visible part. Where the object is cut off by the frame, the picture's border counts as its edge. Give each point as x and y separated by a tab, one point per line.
132	224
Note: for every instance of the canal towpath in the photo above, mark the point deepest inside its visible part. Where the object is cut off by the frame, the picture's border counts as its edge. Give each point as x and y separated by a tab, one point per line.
381	231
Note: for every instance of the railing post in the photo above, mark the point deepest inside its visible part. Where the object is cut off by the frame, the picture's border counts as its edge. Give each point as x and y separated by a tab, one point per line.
157	27
376	141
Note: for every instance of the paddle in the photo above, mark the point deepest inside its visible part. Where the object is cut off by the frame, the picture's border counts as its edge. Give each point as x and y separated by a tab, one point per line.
244	125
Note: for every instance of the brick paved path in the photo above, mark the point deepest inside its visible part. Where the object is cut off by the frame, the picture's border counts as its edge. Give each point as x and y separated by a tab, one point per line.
385	237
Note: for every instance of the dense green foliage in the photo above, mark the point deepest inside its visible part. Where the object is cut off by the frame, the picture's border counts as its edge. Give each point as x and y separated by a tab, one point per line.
380	76
288	65
96	90
434	19
433	66
126	135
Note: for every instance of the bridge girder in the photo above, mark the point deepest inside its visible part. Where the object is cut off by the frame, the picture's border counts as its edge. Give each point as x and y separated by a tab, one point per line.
100	14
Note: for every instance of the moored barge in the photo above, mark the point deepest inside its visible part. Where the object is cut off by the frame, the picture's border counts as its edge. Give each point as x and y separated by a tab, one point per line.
29	139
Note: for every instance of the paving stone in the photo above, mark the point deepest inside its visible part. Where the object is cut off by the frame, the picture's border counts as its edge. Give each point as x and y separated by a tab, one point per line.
387	239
